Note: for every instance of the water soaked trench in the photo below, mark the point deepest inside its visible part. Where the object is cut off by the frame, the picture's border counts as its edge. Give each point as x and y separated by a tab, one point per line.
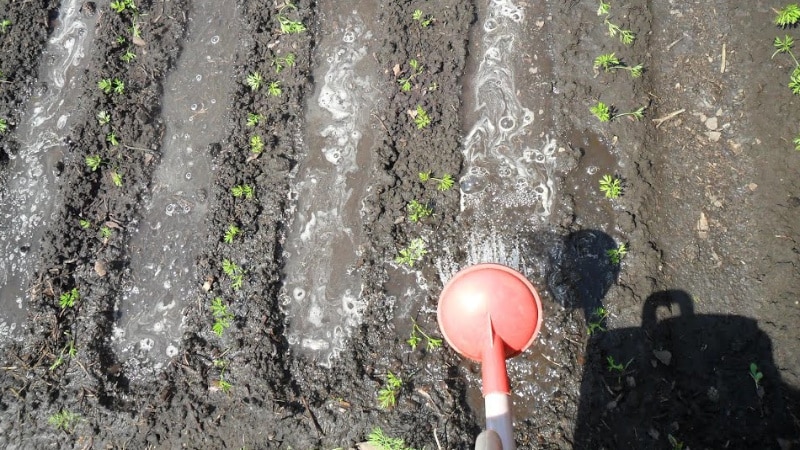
169	235
29	197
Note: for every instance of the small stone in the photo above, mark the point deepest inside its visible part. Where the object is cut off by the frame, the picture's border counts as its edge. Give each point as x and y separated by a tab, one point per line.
653	433
713	136
100	268
713	394
702	226
712	123
752	186
664	356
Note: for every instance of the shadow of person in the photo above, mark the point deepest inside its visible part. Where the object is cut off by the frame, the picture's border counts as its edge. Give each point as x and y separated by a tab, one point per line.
684	380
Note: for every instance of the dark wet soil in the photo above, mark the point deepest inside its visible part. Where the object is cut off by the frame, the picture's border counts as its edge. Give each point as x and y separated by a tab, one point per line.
708	212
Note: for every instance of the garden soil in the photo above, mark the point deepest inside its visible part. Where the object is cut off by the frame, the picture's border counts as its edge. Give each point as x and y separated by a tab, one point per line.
709	212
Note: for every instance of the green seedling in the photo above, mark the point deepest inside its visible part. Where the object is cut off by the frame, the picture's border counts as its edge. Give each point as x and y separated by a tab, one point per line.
234	272
613	366
4	24
119	86
3	125
93	162
128	56
230	234
103	118
254	80
280	63
610	186
442	184
756	375
68	299
64	420
674	442
605	113
111	138
423	19
416	69
222	317
625	36
107	85
418	211
116	178
413	253
785	45
223	385
253	119
788	15
105	232
85	224
274	89
135	30
242	190
121	40
387	396
68	350
796	142
598	315
421	118
615	255
610	63
414	339
287	25
379	439
256	144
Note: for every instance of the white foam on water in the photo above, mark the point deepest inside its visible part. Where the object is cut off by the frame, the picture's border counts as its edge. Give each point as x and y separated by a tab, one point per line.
321	295
504	163
28	197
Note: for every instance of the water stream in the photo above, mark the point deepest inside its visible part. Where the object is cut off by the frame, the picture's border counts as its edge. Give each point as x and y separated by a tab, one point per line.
29	185
169	236
321	295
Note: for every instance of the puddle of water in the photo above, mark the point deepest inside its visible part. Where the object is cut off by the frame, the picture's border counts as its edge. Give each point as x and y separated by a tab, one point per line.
165	242
27	198
321	295
590	205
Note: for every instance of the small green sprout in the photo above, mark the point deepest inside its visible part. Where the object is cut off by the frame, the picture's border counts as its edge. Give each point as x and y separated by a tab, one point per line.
274	89
614	366
85	224
601	111
4	24
430	343
253	119
223	385
405	83
615	255
603	9
788	15
599	315
625	36
222	317
119	86
64	420
413	253
279	63
387	396
794	81
135	30
784	46
230	234
674	442
289	26
610	186
442	184
242	190
103	117
380	440
254	80
93	162
128	56
421	118
68	350
111	138
105	232
234	272
610	63
118	5
256	144
116	178
121	40
3	125
105	85
68	299
796	142
424	20
418	211
755	374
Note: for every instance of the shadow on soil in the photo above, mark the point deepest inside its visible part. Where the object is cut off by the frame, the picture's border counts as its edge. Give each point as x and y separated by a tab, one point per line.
687	376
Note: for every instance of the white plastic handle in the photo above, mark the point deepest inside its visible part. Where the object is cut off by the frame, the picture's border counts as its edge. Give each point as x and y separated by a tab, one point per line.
498	418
